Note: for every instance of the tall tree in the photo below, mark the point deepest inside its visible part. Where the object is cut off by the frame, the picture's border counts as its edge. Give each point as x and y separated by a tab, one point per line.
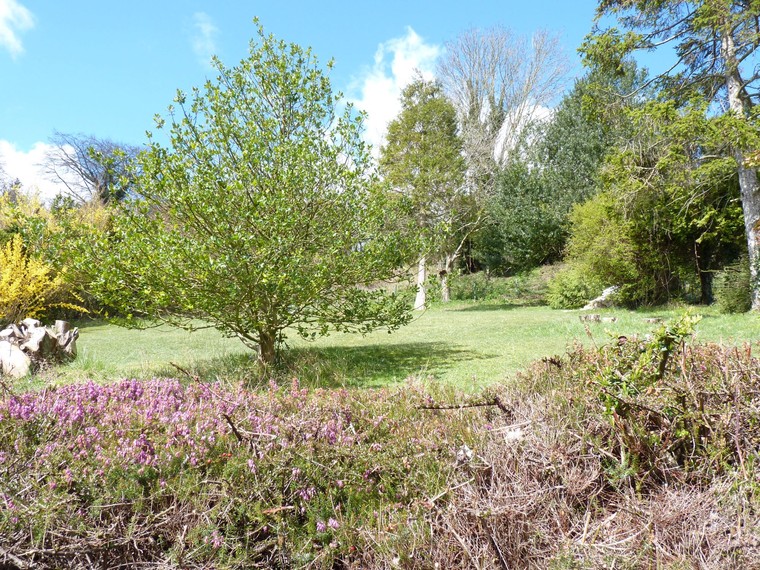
498	81
668	215
423	160
89	167
556	165
714	45
261	216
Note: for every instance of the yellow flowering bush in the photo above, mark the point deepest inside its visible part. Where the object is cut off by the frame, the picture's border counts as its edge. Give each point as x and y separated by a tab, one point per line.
27	285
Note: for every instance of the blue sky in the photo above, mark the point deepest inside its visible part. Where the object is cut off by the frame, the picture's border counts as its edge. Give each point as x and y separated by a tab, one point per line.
104	69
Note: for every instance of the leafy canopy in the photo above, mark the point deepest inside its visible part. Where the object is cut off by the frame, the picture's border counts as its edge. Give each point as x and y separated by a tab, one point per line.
423	161
262	214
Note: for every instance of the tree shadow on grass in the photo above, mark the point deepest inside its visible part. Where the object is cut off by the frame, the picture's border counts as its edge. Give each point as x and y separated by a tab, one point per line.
369	366
374	365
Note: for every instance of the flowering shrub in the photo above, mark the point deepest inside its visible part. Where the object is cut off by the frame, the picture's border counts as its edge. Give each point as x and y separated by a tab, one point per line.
27	285
155	471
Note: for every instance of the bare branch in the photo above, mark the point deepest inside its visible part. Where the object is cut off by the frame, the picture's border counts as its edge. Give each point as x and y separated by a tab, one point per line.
498	81
88	167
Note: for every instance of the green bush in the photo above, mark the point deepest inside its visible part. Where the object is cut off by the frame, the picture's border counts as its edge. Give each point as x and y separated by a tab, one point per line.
478	287
606	243
571	288
527	288
732	288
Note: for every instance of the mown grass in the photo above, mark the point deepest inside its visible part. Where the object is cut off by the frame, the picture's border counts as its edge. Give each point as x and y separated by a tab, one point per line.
466	344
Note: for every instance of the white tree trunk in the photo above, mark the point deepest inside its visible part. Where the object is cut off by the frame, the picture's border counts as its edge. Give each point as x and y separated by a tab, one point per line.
445	287
748	183
419	301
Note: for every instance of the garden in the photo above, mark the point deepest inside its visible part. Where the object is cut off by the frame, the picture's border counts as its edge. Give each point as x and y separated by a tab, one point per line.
285	351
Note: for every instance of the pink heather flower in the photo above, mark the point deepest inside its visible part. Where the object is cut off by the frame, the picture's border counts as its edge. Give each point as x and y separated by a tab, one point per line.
339	483
252	465
9	504
333	524
321	527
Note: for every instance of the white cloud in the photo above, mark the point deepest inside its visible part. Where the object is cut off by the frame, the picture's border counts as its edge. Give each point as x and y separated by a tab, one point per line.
27	168
379	86
14	18
204	44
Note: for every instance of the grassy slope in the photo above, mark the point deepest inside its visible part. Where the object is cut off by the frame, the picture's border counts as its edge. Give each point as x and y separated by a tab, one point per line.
464	343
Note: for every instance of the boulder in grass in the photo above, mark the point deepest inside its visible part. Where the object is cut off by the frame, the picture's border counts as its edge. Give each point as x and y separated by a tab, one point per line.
603	301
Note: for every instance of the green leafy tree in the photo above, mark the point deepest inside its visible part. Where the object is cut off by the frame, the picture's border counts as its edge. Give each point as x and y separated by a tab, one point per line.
422	160
556	167
261	216
714	45
669	213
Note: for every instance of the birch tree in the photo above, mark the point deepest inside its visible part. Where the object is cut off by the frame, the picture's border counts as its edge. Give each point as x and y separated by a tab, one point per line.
498	82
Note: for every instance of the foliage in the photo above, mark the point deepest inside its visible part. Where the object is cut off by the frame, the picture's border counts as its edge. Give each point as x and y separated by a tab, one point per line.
692	30
46	233
571	288
715	48
529	216
25	215
669	207
263	214
422	159
555	166
733	293
603	251
154	472
28	287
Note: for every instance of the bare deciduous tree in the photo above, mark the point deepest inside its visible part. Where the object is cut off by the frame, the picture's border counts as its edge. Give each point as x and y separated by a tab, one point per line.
498	81
89	167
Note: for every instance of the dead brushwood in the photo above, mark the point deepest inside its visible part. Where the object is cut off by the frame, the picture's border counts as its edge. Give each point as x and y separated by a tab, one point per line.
560	496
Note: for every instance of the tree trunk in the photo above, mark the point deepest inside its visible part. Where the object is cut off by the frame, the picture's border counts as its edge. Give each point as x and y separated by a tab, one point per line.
419	301
444	277
267	348
748	183
706	290
703	257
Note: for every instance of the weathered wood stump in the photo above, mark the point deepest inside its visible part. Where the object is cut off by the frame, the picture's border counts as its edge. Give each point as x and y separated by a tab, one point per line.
27	345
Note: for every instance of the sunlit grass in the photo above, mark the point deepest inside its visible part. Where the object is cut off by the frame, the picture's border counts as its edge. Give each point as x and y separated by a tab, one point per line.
467	344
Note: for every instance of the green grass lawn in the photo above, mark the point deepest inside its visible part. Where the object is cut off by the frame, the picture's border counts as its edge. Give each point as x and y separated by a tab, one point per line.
467	344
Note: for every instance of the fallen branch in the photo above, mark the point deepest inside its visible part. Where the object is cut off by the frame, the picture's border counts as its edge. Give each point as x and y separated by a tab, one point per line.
495	402
234	429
